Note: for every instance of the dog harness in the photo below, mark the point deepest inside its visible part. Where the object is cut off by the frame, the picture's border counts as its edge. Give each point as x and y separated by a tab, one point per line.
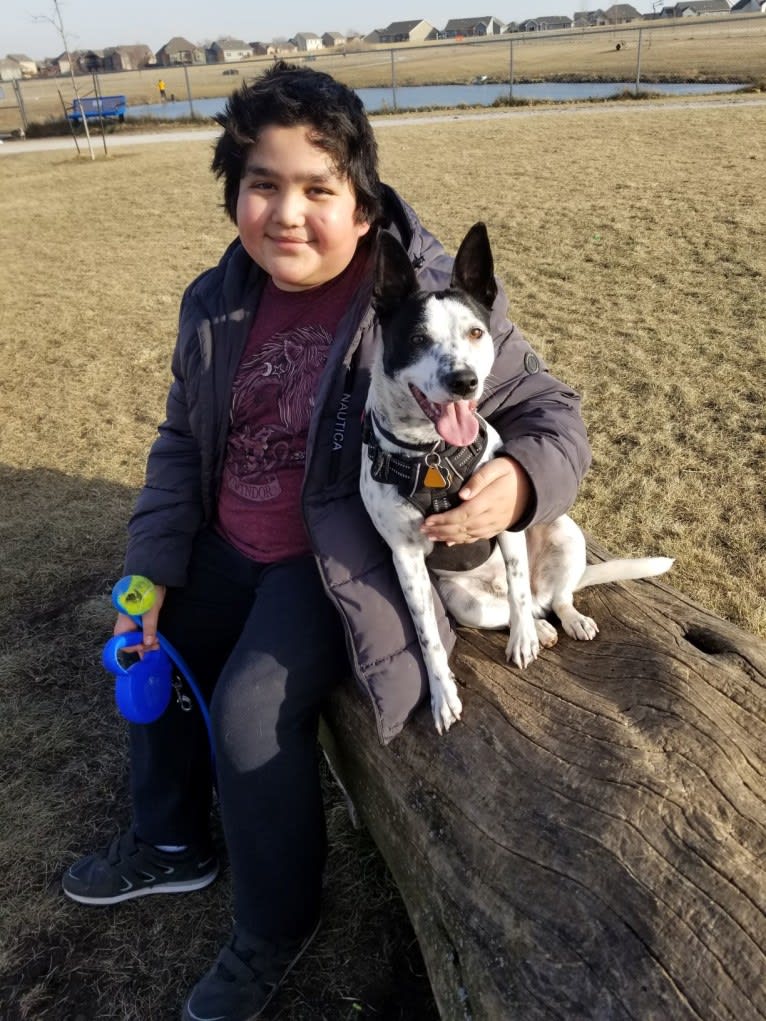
430	480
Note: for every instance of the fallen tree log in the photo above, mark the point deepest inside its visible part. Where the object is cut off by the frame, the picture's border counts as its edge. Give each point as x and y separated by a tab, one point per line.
589	842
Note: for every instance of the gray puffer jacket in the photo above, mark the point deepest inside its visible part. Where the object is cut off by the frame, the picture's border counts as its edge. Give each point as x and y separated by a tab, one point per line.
536	415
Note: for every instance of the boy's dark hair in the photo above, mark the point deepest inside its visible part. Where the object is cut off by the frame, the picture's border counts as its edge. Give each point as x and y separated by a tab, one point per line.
289	95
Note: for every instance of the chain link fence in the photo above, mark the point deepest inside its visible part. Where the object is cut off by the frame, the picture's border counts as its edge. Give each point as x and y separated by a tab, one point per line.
731	48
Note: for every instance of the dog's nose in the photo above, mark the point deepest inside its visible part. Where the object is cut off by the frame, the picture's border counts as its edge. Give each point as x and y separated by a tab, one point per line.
462	382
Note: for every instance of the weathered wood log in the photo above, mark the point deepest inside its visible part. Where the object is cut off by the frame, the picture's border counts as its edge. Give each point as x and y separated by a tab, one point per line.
589	842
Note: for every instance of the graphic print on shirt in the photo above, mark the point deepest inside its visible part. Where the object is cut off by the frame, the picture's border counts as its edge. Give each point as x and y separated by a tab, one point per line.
272	401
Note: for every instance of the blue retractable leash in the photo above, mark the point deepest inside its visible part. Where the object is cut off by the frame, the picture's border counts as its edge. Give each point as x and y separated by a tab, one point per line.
143	688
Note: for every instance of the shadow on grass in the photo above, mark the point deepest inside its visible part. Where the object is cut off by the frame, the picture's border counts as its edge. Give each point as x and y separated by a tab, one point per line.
63	765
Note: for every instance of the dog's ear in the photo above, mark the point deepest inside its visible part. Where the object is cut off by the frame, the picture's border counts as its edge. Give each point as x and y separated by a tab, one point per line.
395	278
474	269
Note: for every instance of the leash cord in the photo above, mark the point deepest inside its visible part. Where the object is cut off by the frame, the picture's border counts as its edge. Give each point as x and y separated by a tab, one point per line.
188	676
185	670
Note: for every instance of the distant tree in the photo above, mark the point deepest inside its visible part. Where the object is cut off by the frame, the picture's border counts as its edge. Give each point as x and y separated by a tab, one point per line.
57	21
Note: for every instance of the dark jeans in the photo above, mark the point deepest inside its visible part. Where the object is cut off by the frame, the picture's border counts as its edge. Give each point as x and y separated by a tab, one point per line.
265	645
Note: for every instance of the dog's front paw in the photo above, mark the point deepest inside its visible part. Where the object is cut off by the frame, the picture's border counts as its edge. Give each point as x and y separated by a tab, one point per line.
445	704
577	625
523	644
546	633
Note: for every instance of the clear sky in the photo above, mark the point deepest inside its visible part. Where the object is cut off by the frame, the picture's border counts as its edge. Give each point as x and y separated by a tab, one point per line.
95	24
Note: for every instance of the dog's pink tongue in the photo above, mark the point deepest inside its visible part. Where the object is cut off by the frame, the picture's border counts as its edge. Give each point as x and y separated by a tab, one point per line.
457	423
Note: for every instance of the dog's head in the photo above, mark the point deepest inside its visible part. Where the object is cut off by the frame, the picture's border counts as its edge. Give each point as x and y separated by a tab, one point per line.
437	346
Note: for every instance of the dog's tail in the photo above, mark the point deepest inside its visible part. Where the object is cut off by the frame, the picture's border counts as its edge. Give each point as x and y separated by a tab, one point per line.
623	570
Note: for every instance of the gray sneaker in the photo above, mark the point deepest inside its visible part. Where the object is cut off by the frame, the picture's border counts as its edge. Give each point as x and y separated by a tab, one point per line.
245	976
130	868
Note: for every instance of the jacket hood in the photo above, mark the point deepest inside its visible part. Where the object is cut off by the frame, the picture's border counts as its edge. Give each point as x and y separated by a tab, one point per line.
401	220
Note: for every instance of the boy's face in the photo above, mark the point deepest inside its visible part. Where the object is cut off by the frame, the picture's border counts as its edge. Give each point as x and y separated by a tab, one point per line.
295	216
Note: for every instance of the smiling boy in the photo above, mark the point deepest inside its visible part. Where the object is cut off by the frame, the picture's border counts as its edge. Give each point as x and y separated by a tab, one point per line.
296	217
272	582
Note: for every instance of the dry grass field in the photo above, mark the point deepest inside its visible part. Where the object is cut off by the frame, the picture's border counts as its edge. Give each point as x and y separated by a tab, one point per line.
732	49
632	246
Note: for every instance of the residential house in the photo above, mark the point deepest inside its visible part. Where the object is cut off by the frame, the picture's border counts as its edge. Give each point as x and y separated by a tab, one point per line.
372	38
549	24
307	42
622	14
89	61
128	58
228	51
26	64
407	32
47	68
180	51
590	19
330	39
9	70
749	7
263	49
466	27
694	8
63	62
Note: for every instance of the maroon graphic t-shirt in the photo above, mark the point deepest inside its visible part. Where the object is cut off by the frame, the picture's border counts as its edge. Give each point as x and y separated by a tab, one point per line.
273	395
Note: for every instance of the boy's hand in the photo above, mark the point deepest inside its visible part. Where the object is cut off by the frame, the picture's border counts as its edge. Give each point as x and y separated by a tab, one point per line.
494	498
124	624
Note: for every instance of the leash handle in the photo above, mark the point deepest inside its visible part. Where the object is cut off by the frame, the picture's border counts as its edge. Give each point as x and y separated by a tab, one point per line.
143	688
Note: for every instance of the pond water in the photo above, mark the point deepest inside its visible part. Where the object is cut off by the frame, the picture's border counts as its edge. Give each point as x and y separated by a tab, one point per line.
415	97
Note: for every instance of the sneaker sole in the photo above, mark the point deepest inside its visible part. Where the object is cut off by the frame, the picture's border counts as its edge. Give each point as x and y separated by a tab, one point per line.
188	886
188	1015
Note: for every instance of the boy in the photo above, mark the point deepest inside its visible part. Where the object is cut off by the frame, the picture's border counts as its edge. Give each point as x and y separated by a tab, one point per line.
270	576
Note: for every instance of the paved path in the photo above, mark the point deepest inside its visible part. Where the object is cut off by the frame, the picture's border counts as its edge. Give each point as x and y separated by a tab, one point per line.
208	134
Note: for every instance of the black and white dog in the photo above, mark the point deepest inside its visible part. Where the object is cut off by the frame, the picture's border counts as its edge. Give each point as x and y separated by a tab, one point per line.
423	439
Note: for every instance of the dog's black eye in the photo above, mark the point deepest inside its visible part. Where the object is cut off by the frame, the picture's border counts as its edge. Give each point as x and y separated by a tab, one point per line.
418	338
476	333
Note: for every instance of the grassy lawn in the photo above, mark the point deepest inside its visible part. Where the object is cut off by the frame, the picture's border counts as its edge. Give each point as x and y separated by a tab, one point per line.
632	247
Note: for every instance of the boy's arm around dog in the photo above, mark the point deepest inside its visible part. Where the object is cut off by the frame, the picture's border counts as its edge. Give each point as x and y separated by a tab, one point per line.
538	419
495	497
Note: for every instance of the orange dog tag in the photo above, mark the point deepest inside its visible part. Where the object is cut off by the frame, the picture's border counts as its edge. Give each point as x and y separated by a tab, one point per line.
434	478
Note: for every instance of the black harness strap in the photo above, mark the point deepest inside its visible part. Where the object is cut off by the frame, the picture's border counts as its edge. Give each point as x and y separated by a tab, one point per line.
408	474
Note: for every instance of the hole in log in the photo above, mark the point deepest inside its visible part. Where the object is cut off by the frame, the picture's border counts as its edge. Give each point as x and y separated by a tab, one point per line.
707	641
